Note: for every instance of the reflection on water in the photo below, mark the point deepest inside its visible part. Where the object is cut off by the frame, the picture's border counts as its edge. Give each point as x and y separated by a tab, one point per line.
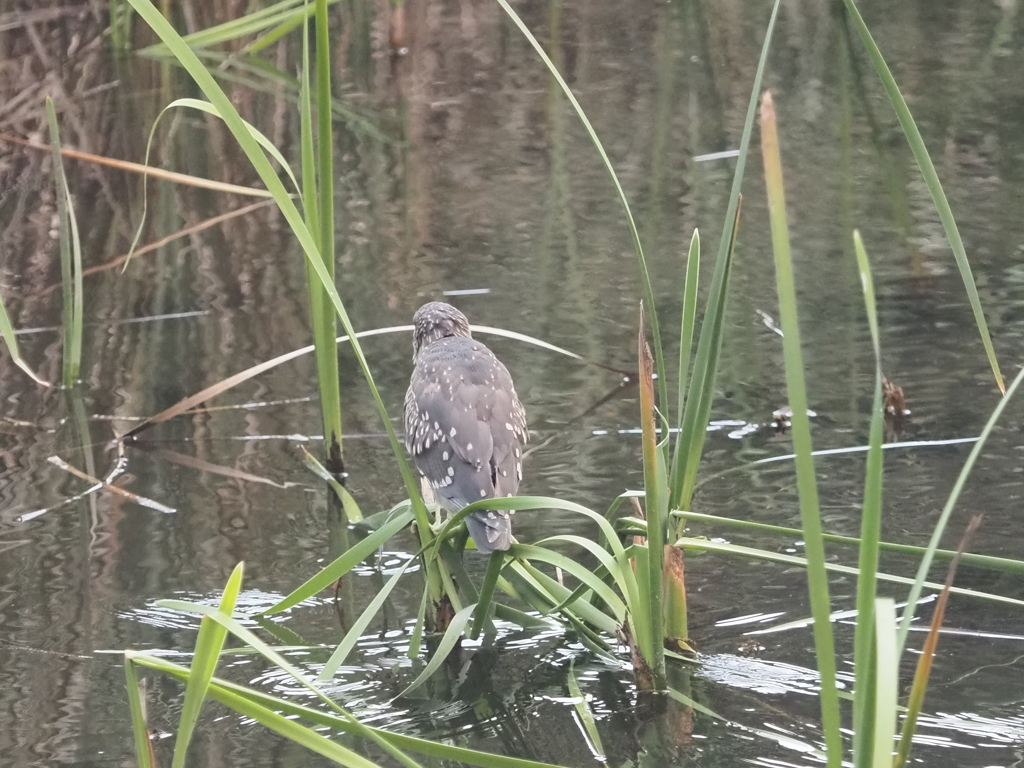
462	172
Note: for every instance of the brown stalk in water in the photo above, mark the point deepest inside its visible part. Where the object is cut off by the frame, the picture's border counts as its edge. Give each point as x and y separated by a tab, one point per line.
924	662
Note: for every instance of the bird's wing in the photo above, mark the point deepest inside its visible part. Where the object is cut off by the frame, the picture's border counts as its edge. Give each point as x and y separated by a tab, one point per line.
464	422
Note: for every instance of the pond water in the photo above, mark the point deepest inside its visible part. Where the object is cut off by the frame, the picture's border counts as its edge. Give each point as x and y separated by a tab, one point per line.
463	173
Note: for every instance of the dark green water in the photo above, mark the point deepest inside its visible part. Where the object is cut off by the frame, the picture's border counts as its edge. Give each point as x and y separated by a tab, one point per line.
461	169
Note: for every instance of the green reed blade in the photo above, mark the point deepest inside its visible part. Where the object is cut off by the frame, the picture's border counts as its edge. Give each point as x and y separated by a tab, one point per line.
318	199
552	594
608	568
416	639
704	545
585	714
293	731
307	153
807	486
697	412
659	357
947	511
483	607
649	609
426	747
248	24
628	581
137	705
865	639
70	258
11	339
345	562
535	553
207	108
310	248
989	562
887	677
252	640
284	27
688	322
208	647
444	647
702	380
931	180
355	632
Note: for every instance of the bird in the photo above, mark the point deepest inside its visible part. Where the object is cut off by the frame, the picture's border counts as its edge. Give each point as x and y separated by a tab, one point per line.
464	424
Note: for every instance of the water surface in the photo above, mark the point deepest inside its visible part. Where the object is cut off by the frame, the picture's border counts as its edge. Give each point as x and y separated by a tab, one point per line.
462	169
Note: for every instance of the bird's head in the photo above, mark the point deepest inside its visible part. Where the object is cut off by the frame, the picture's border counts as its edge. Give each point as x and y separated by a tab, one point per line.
436	320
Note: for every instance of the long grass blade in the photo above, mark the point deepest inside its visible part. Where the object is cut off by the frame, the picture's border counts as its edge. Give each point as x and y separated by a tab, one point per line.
294	732
534	553
947	511
628	579
11	339
253	151
287	25
70	258
206	107
254	21
248	637
694	419
810	513
989	562
483	606
190	402
307	153
866	640
137	704
156	173
539	585
585	714
931	180
704	545
659	357
609	567
887	683
345	562
656	507
688	322
323	317
924	662
355	632
448	641
703	376
208	647
411	743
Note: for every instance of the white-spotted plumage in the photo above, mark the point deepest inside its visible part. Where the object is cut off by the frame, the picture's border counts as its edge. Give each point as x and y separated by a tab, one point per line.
464	423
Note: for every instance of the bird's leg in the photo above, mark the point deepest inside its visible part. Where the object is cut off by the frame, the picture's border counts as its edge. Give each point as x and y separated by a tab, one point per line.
431	502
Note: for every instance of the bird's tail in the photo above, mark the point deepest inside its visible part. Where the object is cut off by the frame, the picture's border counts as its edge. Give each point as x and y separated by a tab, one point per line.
491	530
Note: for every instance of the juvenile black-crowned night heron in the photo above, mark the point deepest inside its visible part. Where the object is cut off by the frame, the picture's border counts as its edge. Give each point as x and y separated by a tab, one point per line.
464	424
